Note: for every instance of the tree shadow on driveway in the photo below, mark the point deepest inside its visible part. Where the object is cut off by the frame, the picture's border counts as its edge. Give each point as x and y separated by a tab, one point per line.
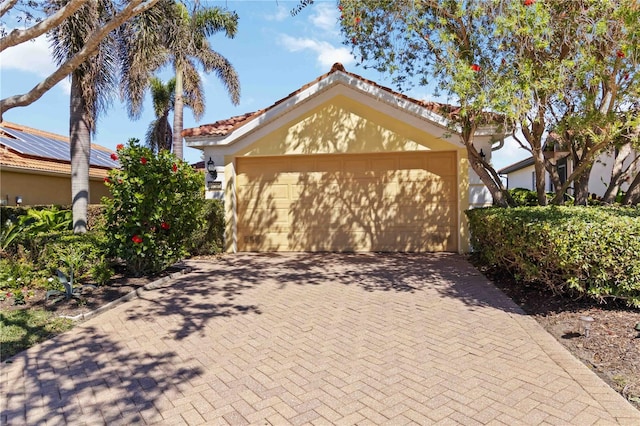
214	286
84	376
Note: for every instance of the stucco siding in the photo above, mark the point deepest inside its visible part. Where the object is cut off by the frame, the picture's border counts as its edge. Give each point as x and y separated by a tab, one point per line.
36	189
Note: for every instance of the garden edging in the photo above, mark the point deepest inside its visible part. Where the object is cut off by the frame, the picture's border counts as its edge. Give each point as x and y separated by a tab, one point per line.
129	296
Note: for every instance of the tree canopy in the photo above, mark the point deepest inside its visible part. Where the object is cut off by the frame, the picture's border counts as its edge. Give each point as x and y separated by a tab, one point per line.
53	18
566	68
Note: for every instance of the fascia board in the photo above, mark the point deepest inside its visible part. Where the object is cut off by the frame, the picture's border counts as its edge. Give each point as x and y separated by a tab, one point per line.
355	88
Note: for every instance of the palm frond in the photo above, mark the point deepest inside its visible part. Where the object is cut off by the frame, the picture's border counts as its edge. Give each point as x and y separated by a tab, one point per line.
193	90
215	62
97	77
212	20
142	52
159	134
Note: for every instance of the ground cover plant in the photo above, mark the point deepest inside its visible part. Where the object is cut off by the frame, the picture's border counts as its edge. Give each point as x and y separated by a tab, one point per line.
23	328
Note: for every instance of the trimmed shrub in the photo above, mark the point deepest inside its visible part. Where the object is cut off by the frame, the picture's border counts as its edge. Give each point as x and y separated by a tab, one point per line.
588	251
154	208
209	238
524	197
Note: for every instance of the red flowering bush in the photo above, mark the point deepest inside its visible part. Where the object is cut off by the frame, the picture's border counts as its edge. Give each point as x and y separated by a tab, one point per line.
154	208
114	156
475	68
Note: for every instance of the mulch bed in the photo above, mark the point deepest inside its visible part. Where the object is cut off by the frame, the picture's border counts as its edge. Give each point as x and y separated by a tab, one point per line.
612	348
92	298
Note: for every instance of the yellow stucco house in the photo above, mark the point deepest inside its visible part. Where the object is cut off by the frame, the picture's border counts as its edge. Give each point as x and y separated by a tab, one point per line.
342	164
35	167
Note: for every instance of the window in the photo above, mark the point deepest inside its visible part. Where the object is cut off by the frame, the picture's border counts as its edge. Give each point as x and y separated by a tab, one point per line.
533	180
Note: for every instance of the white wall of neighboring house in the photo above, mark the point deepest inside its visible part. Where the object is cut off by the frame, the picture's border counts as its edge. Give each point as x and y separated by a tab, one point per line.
522	178
598	180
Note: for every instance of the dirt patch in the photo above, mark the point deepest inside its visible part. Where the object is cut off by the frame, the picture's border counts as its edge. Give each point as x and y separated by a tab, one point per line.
612	347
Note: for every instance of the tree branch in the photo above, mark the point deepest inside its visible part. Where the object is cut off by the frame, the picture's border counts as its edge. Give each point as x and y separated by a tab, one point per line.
6	6
20	36
134	8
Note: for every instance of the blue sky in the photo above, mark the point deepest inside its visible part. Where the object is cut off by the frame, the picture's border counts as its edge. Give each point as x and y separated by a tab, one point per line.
273	53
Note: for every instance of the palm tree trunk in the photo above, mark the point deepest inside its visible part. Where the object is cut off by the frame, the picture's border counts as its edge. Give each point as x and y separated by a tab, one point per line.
80	151
178	113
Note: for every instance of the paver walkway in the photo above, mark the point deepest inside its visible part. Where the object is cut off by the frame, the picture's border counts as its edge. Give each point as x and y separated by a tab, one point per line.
311	339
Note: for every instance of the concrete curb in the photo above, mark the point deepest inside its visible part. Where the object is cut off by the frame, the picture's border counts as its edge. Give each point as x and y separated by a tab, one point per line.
129	296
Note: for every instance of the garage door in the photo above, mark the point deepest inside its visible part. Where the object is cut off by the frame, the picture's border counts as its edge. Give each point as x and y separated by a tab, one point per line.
374	202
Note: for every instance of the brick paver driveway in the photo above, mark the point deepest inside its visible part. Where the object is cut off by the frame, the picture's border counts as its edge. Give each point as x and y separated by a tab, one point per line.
311	338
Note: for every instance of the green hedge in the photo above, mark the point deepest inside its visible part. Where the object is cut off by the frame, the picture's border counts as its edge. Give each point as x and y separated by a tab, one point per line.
593	251
209	238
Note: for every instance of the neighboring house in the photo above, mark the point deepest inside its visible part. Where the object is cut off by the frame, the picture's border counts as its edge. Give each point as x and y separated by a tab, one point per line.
522	174
342	164
35	167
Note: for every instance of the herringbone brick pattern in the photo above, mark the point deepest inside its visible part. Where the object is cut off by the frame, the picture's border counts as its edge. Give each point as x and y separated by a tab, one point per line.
317	339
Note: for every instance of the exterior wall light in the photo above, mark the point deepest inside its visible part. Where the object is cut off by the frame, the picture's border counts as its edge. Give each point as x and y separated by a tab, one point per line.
18	200
482	154
211	168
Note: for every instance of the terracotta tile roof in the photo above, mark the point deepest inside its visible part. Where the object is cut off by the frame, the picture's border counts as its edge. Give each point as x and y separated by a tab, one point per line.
11	158
224	127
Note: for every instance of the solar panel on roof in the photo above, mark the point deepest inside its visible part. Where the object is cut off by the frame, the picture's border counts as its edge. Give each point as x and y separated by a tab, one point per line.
42	146
39	146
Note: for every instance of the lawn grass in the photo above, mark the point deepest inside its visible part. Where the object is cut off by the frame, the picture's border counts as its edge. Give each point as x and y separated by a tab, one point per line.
21	329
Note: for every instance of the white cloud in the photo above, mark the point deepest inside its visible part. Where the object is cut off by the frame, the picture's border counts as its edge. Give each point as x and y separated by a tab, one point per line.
325	17
33	57
327	54
280	15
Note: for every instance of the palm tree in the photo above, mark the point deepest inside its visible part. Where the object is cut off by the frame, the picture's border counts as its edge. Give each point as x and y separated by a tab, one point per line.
180	40
92	85
159	135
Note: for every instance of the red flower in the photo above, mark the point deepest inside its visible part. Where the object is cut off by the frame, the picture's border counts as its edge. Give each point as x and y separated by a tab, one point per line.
626	76
340	8
143	160
107	180
529	2
165	226
475	68
8	294
620	54
174	167
136	239
114	156
353	40
119	146
357	20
